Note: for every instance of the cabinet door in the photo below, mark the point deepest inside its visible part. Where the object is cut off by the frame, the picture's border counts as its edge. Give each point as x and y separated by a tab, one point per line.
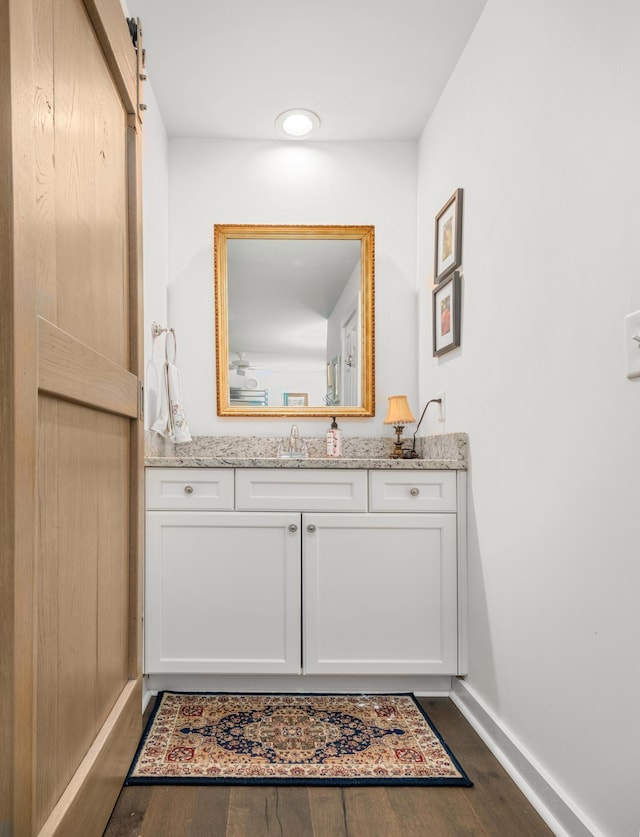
380	593
222	592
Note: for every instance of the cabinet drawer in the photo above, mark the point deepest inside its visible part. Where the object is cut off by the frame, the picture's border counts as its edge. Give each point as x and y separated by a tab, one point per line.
190	488
260	489
412	491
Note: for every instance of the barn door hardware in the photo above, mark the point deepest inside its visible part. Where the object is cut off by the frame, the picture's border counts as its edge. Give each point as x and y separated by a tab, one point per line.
135	32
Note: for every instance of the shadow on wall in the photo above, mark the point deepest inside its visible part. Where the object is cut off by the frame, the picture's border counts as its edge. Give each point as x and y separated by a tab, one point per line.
152	372
153	379
191	312
396	332
481	657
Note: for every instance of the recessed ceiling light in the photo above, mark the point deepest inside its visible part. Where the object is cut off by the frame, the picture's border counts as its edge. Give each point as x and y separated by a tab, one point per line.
298	123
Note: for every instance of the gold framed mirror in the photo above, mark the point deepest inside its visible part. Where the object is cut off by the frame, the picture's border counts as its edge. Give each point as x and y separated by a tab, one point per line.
294	317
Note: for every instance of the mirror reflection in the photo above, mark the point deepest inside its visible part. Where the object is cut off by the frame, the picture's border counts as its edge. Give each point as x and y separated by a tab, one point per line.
294	320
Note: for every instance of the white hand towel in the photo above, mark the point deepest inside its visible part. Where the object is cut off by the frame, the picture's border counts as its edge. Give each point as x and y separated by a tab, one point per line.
176	406
162	425
171	421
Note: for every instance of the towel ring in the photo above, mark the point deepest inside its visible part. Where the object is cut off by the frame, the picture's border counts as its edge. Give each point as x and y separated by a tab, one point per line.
170	332
156	331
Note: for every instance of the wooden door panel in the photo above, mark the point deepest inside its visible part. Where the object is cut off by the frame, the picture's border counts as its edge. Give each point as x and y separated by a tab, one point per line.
85	458
72	370
91	190
64	604
47	787
73	51
112	527
83	564
43	219
71	448
84	808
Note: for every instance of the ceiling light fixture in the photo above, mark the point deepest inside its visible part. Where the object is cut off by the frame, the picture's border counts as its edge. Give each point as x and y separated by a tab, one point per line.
298	123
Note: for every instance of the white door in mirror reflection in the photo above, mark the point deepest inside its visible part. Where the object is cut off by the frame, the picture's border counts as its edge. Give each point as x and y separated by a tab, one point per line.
351	360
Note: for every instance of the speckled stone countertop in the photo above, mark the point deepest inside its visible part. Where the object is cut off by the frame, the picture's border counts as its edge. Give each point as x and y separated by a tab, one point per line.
446	451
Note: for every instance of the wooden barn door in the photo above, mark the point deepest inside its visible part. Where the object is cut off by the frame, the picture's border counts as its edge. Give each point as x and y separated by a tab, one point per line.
71	436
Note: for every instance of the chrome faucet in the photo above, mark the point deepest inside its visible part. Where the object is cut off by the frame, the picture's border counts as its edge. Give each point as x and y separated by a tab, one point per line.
296	448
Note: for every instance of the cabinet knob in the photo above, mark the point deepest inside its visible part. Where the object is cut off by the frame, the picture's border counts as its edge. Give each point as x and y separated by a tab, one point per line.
311	528
293	527
188	489
414	492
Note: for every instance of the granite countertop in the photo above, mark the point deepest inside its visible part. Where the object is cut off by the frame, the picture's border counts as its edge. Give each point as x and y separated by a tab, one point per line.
445	451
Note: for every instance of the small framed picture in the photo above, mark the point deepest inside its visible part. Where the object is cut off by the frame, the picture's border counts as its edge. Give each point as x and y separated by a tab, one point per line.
448	243
446	315
296	399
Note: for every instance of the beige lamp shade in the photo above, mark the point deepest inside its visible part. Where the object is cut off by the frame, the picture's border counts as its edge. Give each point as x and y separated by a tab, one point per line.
399	411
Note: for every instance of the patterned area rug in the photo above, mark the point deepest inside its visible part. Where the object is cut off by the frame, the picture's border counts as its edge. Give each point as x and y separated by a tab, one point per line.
292	739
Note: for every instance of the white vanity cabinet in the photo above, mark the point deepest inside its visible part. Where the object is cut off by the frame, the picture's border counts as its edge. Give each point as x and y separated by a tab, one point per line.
222	592
222	588
379	593
304	571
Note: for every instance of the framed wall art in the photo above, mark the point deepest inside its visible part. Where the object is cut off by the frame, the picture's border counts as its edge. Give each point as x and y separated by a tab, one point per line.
446	314
448	238
296	399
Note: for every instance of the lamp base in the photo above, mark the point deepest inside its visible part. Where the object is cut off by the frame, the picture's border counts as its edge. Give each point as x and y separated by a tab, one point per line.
397	451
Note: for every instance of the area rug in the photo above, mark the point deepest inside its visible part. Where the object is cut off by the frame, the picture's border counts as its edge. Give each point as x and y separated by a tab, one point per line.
289	739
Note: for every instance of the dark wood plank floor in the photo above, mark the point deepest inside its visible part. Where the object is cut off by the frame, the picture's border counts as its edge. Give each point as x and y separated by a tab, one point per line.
493	807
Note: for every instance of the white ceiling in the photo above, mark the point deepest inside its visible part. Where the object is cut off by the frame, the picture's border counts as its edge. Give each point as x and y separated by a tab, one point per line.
371	69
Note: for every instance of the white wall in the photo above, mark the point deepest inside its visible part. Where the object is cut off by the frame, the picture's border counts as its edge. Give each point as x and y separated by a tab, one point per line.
540	124
250	182
155	188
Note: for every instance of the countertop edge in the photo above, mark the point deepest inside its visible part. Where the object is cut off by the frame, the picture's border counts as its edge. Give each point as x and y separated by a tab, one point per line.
324	463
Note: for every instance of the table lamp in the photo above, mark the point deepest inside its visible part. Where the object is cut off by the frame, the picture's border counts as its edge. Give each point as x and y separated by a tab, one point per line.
398	414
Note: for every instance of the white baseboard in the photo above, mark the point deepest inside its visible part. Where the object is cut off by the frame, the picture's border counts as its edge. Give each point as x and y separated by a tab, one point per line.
561	815
428	685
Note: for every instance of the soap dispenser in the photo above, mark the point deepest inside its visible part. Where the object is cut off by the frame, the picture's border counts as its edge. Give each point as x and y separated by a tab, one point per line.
334	439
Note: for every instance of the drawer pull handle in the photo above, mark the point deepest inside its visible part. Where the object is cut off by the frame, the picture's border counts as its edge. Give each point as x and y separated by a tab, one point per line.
311	528
188	489
293	527
414	492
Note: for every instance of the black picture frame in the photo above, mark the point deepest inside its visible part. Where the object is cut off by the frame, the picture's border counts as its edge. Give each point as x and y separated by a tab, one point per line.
448	238
446	319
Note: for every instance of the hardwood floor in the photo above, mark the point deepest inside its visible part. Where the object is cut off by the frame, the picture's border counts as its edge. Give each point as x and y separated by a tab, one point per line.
493	807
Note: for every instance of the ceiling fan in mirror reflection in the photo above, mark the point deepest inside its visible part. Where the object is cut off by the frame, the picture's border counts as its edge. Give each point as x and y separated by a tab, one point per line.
241	365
